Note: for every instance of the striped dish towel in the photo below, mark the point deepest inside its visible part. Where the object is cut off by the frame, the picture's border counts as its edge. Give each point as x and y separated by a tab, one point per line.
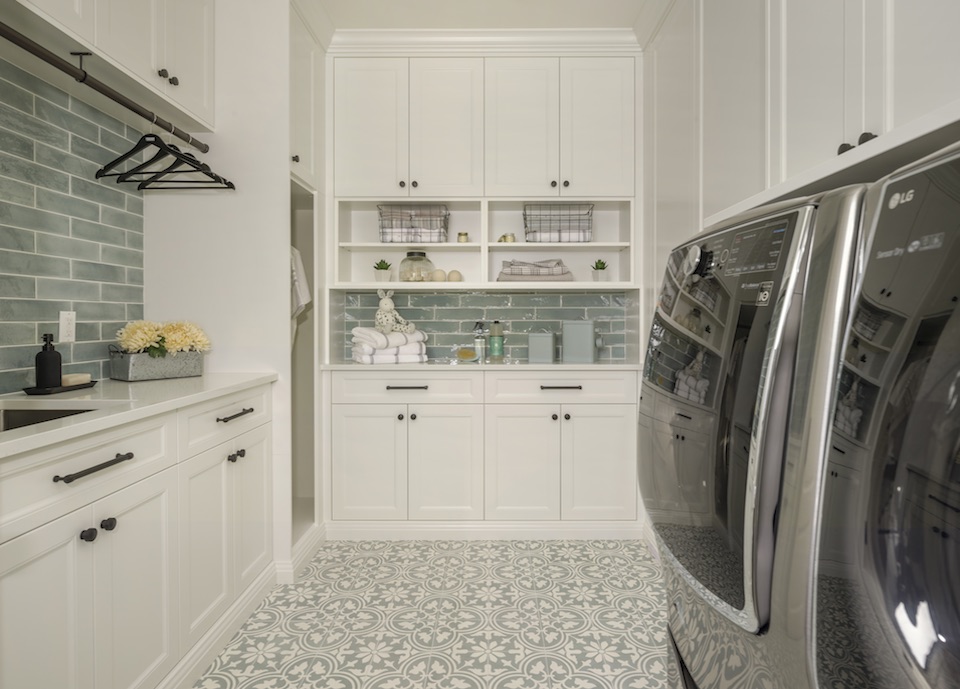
410	348
379	340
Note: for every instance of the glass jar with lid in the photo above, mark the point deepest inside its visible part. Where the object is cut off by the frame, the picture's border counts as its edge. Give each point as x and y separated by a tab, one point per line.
416	267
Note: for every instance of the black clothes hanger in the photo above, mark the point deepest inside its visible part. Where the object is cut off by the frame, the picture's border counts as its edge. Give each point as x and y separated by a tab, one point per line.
184	172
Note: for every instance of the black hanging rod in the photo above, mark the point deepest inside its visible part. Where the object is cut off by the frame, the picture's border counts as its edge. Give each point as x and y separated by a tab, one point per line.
81	76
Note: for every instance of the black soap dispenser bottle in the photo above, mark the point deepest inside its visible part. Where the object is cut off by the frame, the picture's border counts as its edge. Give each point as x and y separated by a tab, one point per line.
48	364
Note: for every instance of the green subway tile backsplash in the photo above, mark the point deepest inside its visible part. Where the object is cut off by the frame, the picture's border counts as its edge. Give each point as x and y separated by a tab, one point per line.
449	318
68	242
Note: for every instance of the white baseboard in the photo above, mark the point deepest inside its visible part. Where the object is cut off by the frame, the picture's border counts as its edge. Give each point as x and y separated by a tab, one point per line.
198	658
306	547
410	530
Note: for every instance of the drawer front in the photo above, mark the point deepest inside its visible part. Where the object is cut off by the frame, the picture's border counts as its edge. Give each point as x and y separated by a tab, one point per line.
405	387
37	487
611	387
680	415
205	425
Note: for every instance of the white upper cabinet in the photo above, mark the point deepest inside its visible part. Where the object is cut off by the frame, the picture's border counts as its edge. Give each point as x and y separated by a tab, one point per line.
408	126
559	126
77	16
872	67
167	44
306	66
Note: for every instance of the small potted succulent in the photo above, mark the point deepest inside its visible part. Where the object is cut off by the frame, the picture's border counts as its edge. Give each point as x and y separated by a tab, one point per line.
599	268
381	271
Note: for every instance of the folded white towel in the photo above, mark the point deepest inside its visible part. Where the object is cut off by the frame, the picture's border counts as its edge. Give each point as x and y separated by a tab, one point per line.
409	348
389	358
379	340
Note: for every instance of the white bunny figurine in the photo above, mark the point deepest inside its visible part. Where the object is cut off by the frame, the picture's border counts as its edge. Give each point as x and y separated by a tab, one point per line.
387	319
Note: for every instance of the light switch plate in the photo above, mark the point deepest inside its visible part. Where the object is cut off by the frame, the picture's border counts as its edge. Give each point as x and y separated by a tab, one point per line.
68	326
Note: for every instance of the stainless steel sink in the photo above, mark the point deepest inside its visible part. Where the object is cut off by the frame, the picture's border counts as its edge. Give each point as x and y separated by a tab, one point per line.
18	418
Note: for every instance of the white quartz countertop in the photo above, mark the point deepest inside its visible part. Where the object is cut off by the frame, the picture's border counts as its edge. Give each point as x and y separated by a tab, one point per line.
460	366
115	402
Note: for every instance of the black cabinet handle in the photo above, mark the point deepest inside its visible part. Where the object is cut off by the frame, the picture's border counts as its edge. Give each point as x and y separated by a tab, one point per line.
239	454
407	387
554	417
566	417
174	81
109	524
865	137
844	147
566	183
402	184
295	159
163	73
413	417
684	416
228	419
70	478
553	183
414	184
88	535
399	417
561	387
843	452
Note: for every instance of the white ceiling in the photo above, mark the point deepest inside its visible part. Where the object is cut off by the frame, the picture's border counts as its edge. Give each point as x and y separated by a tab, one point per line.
483	14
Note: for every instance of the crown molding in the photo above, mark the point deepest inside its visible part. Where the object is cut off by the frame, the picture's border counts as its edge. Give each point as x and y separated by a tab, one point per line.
519	41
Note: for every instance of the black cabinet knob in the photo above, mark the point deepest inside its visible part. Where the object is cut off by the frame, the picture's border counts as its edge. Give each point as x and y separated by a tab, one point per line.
554	417
163	73
400	417
88	535
844	147
109	524
566	183
566	417
865	137
295	159
402	184
414	183
413	417
553	183
232	457
174	81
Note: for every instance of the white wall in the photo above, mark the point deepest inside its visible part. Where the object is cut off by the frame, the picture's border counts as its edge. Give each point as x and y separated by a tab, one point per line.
221	258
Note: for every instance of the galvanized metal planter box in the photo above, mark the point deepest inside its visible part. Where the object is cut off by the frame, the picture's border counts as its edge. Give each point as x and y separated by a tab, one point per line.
142	366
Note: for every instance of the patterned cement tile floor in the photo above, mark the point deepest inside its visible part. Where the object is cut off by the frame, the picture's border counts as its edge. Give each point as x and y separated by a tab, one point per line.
457	615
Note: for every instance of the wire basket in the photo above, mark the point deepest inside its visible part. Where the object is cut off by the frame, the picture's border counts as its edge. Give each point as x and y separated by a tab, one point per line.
558	222
407	223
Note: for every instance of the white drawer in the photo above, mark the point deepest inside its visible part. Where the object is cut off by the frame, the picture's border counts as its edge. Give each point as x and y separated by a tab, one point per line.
606	387
39	486
407	386
210	423
680	415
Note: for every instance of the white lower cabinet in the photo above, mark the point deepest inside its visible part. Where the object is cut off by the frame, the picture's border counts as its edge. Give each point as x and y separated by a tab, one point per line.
571	461
224	524
89	599
407	461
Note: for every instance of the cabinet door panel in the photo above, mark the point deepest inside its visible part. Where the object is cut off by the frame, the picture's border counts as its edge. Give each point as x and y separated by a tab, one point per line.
136	587
189	54
445	458
371	127
597	126
76	15
305	114
522	461
206	553
128	32
598	461
369	461
446	127
251	504
522	106
46	578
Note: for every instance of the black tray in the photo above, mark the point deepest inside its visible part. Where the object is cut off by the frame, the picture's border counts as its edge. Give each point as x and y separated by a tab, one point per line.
59	388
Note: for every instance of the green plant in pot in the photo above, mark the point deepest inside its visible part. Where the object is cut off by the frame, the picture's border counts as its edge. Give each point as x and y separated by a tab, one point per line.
381	270
599	269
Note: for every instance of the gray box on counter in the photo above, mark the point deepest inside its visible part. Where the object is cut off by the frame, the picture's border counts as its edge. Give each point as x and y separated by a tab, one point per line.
579	343
541	348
